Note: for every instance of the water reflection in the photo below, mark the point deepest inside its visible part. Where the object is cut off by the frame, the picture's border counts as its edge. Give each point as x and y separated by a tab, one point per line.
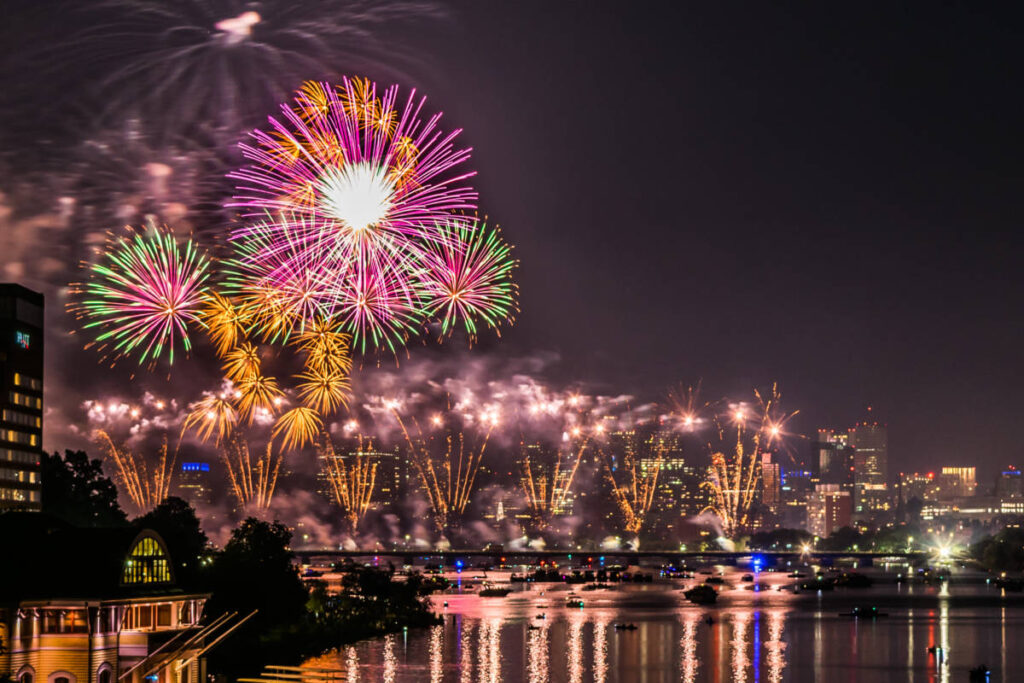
746	639
689	663
538	654
740	621
390	663
436	654
600	650
465	649
576	622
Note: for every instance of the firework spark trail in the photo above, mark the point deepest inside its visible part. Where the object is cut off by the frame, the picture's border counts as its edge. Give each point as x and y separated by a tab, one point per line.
253	483
733	478
548	485
352	479
634	483
147	486
216	64
142	297
447	474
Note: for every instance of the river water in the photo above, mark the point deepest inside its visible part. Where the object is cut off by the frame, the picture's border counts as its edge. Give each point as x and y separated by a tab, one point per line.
753	636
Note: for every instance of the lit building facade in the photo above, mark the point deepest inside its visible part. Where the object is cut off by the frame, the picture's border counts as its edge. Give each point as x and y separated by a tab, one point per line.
958	482
109	620
21	403
1009	484
828	508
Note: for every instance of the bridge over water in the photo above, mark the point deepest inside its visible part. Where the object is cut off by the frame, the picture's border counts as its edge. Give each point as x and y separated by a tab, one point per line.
611	557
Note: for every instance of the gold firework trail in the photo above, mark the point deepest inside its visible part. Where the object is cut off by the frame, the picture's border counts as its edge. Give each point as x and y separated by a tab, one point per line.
547	482
634	482
447	467
252	480
733	477
146	485
352	479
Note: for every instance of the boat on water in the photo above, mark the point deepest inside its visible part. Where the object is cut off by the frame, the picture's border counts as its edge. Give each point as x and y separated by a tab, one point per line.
702	595
489	591
715	580
573	601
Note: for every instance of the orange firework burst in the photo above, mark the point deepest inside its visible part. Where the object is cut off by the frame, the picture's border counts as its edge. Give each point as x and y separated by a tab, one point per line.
146	485
352	477
736	468
298	427
224	322
257	392
214	414
241	362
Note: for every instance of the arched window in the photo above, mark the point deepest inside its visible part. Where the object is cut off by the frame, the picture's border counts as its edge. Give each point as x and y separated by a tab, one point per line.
61	677
26	675
104	674
147	562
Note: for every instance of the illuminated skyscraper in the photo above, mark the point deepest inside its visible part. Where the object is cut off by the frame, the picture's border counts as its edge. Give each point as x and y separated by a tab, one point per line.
21	422
870	443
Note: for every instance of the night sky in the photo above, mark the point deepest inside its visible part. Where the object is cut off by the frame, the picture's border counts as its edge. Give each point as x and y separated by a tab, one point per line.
818	196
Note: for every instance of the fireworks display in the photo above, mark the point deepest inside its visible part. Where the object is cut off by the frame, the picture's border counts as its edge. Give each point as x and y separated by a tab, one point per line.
470	277
735	471
146	484
218	64
253	481
142	296
352	478
547	477
633	479
354	200
446	462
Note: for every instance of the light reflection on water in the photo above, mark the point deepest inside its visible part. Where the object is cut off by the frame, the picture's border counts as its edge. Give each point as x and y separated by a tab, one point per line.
766	637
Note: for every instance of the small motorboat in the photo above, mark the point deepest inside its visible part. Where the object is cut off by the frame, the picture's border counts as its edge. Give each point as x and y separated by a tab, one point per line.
980	674
489	591
748	578
541	616
702	595
574	602
718	580
625	627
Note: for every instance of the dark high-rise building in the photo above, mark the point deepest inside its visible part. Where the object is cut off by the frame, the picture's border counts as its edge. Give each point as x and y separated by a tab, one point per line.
194	483
21	422
1009	483
870	443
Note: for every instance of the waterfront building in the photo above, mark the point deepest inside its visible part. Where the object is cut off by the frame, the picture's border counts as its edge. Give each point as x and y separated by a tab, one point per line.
21	401
119	616
828	508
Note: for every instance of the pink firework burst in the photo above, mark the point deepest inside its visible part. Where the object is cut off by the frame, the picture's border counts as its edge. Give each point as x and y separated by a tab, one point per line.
373	185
